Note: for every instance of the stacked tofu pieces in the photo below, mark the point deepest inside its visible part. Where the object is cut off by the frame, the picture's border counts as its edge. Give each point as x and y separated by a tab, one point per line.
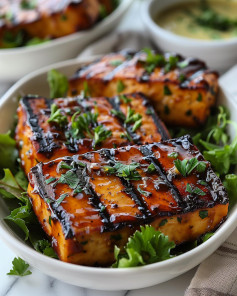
101	166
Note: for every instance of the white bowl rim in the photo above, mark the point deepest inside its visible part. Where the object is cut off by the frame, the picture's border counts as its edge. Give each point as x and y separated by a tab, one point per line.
61	40
230	222
145	12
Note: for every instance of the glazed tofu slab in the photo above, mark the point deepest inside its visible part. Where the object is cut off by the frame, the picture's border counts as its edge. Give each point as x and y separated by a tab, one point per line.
88	203
48	129
181	90
46	18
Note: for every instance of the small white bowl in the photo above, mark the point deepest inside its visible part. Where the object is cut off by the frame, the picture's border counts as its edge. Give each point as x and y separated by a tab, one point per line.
95	277
218	54
17	62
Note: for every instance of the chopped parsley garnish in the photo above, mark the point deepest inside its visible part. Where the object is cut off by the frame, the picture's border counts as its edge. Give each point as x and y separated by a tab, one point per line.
166	109
119	114
199	98
203	214
151	168
167	91
64	165
182	78
194	190
50	180
86	126
186	166
57	116
163	222
60	199
19	267
100	135
116	63
126	171
125	99
120	86
173	155
86	90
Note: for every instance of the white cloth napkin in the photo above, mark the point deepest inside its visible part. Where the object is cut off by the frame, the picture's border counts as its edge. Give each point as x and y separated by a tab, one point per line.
217	275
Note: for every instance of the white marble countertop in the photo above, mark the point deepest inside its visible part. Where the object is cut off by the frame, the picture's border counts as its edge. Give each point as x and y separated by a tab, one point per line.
39	284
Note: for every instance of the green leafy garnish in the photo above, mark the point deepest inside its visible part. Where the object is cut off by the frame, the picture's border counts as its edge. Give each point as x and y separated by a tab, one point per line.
57	116
8	152
60	199
167	91
230	184
58	84
120	86
100	135
36	41
116	63
194	190
11	40
151	168
203	214
86	126
127	171
19	267
186	166
119	114
206	236
125	99
43	246
144	247
173	155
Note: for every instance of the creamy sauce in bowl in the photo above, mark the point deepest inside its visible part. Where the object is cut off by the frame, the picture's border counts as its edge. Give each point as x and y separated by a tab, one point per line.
206	20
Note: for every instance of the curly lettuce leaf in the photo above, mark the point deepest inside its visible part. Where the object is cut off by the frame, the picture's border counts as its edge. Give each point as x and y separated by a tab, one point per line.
8	152
144	247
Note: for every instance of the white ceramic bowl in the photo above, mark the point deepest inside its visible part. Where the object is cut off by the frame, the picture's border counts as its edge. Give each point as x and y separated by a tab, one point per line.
91	277
218	54
16	62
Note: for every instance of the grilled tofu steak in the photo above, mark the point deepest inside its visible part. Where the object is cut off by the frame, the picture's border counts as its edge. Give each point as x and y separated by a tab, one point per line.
25	19
48	129
181	90
88	203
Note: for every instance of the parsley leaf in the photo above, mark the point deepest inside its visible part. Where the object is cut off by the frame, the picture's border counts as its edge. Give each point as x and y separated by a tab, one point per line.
100	134
19	267
28	4
125	99
203	214
57	116
127	171
194	190
43	246
8	152
144	247
186	166
120	86
151	168
58	84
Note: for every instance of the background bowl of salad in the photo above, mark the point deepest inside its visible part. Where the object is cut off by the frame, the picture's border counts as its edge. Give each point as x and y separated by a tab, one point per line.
17	61
40	255
206	29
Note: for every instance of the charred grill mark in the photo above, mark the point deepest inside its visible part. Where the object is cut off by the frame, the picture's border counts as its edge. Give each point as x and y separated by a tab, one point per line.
94	199
57	212
46	141
129	188
159	125
148	154
114	102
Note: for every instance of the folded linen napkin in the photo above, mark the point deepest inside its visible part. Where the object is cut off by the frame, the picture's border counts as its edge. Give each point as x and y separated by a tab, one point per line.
217	275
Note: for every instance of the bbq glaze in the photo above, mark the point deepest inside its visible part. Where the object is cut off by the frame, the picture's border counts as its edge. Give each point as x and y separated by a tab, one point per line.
39	140
191	86
110	205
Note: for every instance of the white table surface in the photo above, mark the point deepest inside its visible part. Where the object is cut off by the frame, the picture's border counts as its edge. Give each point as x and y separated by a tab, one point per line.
39	284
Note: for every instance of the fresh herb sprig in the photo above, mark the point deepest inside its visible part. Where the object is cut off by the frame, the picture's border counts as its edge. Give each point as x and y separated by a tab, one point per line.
186	166
127	171
19	268
57	116
144	247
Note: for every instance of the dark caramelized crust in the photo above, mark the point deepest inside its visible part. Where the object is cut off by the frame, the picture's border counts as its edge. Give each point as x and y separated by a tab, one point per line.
85	226
41	141
47	19
182	95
